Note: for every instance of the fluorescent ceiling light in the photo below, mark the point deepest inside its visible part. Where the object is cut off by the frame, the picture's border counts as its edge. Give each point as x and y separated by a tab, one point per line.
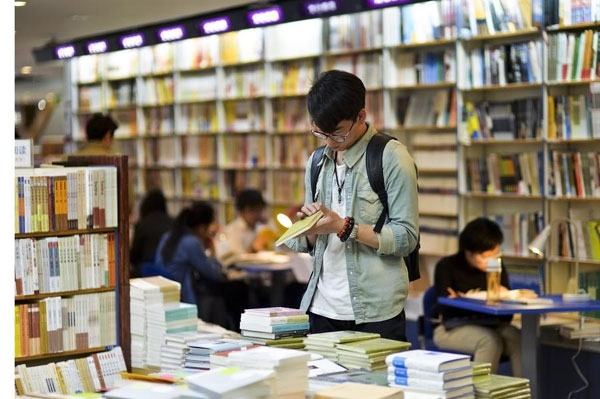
20	3
26	70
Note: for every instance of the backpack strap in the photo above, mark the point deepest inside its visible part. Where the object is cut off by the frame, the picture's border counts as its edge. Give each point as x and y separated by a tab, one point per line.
315	169
374	165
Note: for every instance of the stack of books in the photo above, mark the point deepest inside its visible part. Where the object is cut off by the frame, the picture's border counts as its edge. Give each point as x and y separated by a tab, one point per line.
230	382
290	368
198	355
324	343
175	348
500	386
368	354
144	293
438	374
164	319
221	358
351	390
481	368
275	326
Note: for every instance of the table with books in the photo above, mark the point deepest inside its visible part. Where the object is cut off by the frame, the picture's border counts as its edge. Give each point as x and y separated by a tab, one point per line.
530	323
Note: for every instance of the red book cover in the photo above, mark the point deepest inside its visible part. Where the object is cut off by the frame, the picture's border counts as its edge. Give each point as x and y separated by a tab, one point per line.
578	174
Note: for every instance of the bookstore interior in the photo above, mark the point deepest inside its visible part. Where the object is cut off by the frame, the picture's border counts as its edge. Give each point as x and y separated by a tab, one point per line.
174	243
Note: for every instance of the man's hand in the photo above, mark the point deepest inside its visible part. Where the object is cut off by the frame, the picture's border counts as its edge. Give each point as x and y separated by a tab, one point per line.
330	223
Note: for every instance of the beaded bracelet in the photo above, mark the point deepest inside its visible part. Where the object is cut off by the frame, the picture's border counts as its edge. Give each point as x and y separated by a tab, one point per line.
344	234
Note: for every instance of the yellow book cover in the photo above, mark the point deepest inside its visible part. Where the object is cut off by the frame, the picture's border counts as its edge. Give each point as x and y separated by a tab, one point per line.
61	379
473	127
17	332
43	328
551	119
374	345
299	228
526	13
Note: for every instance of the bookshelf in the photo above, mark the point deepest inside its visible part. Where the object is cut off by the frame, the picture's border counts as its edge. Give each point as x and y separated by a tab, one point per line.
59	270
243	95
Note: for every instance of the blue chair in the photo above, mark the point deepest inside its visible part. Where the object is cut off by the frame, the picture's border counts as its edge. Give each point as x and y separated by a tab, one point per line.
151	269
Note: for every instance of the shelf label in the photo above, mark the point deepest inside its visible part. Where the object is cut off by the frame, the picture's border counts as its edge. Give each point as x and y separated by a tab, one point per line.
24	153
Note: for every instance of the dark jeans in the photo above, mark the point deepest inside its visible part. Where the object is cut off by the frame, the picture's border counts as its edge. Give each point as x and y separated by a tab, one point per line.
394	328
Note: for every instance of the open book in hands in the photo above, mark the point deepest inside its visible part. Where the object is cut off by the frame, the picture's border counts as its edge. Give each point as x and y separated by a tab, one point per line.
299	228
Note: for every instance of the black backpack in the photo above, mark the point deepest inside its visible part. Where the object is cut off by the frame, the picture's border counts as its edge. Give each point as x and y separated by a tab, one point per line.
374	164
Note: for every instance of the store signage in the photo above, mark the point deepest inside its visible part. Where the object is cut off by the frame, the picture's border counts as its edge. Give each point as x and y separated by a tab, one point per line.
215	25
315	8
384	3
132	41
66	51
97	47
265	16
171	33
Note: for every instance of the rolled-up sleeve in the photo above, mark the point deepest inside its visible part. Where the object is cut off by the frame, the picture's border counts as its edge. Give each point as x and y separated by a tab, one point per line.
399	236
300	244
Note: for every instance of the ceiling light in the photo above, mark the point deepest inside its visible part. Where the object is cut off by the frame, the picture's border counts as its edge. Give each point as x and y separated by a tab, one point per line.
26	70
20	3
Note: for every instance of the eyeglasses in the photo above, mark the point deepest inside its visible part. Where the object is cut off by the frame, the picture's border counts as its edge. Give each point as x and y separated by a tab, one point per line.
335	137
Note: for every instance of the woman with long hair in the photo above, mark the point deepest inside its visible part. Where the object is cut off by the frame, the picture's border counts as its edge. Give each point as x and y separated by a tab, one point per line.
187	251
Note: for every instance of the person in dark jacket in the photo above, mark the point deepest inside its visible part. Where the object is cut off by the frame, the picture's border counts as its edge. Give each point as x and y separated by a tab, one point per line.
187	252
154	221
486	337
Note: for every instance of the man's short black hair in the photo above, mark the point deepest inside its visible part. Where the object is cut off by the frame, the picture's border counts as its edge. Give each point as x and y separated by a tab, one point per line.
98	125
335	96
480	235
249	198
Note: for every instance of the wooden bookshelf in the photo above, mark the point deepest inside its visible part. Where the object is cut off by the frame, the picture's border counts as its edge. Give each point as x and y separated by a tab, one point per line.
500	88
569	83
298	58
65	233
573	199
22	298
60	355
196	70
503	196
431	171
418	129
520	257
335	53
120	79
573	141
491	142
582	26
199	101
425	45
516	35
558	259
425	86
438	215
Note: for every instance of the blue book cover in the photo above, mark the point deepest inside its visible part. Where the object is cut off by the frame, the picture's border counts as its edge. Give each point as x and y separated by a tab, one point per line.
290	327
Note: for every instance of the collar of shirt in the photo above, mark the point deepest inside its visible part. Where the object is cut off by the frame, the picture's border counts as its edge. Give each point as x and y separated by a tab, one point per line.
353	154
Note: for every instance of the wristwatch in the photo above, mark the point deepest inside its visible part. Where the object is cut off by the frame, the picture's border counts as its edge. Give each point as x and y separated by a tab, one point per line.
354	232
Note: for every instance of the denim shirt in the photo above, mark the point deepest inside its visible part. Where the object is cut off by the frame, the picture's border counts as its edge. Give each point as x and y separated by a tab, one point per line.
378	279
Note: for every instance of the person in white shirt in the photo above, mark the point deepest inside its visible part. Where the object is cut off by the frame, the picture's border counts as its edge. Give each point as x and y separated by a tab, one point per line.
241	233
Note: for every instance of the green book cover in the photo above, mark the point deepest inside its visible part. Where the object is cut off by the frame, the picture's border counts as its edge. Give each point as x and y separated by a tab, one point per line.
374	345
340	337
575	58
495	383
593	228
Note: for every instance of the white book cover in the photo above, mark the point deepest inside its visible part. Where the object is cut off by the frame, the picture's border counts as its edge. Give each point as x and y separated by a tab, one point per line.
430	375
439	385
266	356
220	381
428	360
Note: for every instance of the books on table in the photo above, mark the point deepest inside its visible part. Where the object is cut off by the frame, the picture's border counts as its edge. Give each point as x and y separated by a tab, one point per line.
175	348
231	382
369	354
480	368
350	390
198	355
324	343
275	326
492	386
300	227
437	374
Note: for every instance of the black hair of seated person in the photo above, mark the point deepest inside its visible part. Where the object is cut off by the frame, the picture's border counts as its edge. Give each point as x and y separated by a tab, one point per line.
154	201
480	235
249	199
98	126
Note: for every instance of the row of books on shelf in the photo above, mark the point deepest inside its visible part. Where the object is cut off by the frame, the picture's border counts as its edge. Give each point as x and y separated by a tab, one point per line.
122	93
199	151
95	373
367	67
579	239
243	152
487	17
503	64
58	199
288	187
439	236
426	108
238	180
159	179
574	116
425	67
244	116
344	34
503	120
589	281
157	91
573	56
495	173
293	77
55	325
200	183
58	264
291	115
244	81
575	174
292	151
519	229
426	21
570	12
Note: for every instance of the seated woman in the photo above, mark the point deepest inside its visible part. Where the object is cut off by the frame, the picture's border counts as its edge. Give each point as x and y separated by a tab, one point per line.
187	252
486	337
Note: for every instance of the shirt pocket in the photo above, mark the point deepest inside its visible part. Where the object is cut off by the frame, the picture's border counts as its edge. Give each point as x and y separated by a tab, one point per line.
369	206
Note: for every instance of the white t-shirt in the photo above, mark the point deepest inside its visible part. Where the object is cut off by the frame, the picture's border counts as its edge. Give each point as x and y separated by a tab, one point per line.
332	297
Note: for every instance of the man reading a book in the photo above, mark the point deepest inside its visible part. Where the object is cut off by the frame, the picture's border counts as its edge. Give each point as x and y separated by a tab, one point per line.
359	280
486	337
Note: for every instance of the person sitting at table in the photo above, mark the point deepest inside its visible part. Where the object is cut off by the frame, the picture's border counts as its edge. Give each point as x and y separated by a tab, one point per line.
187	252
486	337
244	233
